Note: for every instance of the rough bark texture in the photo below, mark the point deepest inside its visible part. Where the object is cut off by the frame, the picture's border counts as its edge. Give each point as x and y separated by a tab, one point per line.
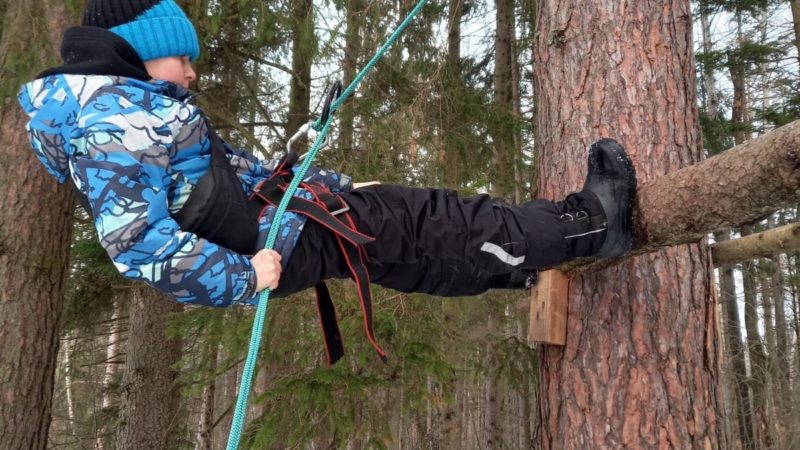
35	228
738	186
640	368
766	244
150	395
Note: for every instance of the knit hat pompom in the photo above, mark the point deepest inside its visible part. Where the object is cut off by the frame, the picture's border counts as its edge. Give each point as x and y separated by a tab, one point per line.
154	28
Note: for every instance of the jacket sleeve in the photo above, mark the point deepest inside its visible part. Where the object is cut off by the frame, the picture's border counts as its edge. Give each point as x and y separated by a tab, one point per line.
123	170
335	181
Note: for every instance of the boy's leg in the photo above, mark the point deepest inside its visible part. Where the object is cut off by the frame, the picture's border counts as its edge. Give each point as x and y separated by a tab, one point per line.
444	278
413	224
410	224
317	257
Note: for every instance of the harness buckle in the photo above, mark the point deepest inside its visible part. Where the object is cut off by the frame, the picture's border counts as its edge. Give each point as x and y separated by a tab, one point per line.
343	209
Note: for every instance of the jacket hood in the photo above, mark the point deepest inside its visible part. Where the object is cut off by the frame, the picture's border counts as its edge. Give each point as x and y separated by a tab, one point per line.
54	105
94	60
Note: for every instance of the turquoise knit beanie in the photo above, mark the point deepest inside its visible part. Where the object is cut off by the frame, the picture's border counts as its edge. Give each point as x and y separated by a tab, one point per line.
154	28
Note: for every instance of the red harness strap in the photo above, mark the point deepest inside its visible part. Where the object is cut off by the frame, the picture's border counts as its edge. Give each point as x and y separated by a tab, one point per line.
326	210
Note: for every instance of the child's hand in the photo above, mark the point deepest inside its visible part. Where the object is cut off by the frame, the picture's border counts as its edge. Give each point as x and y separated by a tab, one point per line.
267	264
368	183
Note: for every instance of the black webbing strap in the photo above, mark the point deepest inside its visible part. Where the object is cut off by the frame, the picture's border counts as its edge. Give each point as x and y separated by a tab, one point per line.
271	192
334	347
350	243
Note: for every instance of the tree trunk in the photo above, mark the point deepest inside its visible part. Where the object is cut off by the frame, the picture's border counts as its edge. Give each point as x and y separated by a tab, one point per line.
755	347
35	229
150	394
783	381
642	332
493	431
68	381
732	327
302	55
452	151
352	51
204	436
112	368
502	132
795	4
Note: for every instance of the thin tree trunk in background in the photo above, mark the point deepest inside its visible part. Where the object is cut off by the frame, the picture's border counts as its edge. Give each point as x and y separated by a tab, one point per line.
709	81
740	393
795	5
642	332
495	393
503	134
732	327
781	334
35	229
452	148
526	439
755	347
352	50
68	349
302	54
150	394
779	364
227	400
111	369
763	277
204	439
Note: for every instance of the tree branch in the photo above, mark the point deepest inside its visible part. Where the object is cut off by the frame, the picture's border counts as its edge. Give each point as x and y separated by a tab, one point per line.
738	186
760	245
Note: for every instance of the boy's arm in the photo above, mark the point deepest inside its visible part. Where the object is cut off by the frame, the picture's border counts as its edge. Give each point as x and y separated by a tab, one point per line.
129	206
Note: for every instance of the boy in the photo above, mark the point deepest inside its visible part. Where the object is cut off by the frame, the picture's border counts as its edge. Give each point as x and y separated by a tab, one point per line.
178	208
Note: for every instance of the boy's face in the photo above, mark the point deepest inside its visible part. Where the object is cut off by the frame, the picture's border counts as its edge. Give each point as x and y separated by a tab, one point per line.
177	69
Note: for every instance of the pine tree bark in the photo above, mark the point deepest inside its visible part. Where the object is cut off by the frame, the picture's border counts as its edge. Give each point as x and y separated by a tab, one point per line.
35	229
150	394
641	332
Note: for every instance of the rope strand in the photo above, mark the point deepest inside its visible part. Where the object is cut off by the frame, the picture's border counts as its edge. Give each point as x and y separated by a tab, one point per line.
263	301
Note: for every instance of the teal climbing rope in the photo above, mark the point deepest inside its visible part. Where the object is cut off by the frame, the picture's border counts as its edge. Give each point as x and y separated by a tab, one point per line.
261	310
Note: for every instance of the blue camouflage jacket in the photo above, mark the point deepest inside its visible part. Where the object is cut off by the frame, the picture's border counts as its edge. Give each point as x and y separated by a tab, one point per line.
136	149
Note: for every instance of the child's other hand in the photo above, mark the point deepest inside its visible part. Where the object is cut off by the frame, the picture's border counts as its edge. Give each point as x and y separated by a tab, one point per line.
368	183
267	264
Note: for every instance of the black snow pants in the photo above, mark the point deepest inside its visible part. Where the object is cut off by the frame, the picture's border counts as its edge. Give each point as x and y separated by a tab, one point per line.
432	241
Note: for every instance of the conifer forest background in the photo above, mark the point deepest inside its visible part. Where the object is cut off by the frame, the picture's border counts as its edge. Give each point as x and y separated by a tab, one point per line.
454	104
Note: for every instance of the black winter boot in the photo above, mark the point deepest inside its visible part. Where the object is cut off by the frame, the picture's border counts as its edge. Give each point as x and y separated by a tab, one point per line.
598	219
612	178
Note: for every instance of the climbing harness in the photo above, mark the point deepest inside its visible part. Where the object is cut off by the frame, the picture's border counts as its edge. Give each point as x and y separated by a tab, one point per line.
322	128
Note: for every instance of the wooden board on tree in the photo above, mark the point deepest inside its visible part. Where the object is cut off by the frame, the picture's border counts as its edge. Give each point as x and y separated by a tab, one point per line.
548	315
